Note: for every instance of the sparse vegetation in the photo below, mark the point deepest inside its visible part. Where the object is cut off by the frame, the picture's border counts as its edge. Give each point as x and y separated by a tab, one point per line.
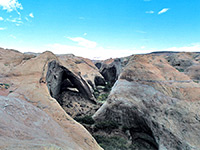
102	97
112	143
180	69
4	85
86	120
106	125
196	81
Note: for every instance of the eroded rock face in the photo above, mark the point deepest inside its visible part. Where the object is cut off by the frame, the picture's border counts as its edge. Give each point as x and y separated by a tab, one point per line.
71	90
24	126
60	78
25	79
157	105
111	71
99	81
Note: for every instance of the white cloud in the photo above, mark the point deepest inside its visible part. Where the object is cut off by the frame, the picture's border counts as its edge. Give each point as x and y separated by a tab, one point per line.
191	48
1	19
2	28
85	34
83	42
195	47
163	10
92	53
31	15
15	20
142	47
10	5
149	12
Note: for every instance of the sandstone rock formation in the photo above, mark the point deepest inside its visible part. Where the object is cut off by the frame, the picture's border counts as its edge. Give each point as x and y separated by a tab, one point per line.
111	68
156	103
24	126
27	82
71	80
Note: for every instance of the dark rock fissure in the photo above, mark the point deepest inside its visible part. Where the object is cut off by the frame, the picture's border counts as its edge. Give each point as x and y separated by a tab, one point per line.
140	133
72	92
60	79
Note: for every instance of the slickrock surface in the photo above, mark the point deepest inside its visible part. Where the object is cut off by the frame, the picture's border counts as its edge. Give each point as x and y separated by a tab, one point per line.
25	79
158	104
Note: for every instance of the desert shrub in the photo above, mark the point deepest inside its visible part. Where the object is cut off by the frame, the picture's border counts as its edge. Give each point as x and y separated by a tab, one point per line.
111	143
106	125
96	94
6	84
86	120
103	97
180	70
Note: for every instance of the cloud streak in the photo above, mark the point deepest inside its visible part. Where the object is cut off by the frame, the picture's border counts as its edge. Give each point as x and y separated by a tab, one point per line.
2	28
1	19
163	11
83	42
15	20
149	12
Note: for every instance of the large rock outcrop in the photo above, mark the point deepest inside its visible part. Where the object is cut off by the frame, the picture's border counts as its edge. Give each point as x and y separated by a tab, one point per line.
25	79
156	103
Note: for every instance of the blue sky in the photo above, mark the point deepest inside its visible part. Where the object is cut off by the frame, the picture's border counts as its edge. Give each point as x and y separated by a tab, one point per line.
100	28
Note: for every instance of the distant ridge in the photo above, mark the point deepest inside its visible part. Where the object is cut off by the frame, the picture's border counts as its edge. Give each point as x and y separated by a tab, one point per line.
163	52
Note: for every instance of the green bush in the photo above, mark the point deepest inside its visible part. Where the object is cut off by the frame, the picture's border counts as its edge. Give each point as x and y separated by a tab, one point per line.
111	143
86	120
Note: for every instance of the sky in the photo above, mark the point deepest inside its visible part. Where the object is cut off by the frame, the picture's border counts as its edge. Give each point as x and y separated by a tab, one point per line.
100	29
